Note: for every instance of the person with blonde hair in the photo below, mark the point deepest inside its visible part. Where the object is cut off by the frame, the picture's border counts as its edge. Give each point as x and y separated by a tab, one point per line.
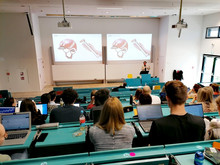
155	99
111	131
205	96
217	101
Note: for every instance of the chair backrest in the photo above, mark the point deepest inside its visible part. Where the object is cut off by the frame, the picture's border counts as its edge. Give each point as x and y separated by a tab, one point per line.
156	87
130	76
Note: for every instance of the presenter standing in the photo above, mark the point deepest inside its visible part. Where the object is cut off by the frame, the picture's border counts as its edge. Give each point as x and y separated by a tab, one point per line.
145	68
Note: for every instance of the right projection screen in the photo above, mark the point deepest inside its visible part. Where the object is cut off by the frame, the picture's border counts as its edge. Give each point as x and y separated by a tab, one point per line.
123	47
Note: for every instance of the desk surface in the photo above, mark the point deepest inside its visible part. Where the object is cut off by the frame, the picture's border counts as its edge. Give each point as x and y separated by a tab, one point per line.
189	159
23	146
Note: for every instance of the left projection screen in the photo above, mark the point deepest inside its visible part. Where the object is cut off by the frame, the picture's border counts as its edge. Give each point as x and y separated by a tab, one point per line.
77	47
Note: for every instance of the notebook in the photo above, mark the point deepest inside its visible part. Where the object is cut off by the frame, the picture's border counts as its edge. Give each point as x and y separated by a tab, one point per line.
195	109
147	114
42	108
18	127
7	109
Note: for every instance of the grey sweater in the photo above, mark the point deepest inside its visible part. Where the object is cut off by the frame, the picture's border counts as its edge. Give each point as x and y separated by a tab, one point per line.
105	141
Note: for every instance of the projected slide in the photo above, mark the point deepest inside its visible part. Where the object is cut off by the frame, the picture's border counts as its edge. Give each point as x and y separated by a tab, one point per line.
128	47
77	47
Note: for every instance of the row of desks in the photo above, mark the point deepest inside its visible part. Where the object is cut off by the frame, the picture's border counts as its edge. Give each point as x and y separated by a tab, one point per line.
184	152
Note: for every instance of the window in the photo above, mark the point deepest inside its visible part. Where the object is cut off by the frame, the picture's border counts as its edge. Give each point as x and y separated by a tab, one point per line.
212	32
210	69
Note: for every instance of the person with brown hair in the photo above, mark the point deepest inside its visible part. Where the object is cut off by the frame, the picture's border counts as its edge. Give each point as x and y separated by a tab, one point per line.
28	105
10	102
92	102
193	93
137	95
111	131
205	96
215	88
179	126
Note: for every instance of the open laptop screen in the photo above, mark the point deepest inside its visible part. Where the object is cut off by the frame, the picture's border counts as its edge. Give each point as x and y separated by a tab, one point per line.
7	109
195	109
42	108
146	112
19	121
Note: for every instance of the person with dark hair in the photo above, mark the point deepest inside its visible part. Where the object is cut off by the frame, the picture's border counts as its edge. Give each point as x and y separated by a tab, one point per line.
193	93
100	97
145	99
52	97
121	86
46	99
69	112
179	126
28	105
10	102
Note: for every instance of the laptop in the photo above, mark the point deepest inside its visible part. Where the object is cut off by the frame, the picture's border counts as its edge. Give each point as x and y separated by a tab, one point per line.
147	114
195	109
42	108
18	127
7	109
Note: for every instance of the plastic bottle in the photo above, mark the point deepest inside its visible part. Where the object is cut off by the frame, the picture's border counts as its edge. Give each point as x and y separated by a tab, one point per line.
199	158
82	121
61	102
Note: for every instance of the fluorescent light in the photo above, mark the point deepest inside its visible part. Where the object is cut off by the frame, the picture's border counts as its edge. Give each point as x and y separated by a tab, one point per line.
108	8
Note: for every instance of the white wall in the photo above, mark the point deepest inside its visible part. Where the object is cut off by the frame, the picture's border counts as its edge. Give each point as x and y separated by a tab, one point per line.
48	26
184	53
38	49
163	35
17	54
210	21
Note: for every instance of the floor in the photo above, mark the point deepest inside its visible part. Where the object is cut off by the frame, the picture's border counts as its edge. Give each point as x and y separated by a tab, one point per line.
50	88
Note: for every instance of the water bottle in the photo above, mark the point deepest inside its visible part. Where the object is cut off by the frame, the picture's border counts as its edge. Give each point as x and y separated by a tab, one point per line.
199	158
82	121
61	102
131	99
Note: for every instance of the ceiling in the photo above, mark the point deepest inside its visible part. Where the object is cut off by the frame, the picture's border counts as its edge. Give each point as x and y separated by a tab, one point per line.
136	8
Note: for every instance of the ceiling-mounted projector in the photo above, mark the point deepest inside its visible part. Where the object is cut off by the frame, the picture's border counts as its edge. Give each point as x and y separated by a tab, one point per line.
180	24
64	23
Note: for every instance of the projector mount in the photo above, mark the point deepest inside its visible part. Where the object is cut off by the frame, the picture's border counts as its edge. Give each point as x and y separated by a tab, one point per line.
64	23
180	24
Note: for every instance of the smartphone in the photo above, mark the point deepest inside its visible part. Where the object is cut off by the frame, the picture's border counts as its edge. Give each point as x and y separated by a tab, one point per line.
42	137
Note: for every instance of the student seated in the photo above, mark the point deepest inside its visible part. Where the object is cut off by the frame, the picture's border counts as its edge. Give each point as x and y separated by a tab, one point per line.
46	99
28	105
155	99
10	102
100	97
3	135
112	132
215	88
205	96
193	93
69	112
137	96
92	102
179	126
145	99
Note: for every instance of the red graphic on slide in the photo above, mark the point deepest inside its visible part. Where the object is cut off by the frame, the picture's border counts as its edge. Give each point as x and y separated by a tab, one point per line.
69	47
91	48
141	47
120	46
